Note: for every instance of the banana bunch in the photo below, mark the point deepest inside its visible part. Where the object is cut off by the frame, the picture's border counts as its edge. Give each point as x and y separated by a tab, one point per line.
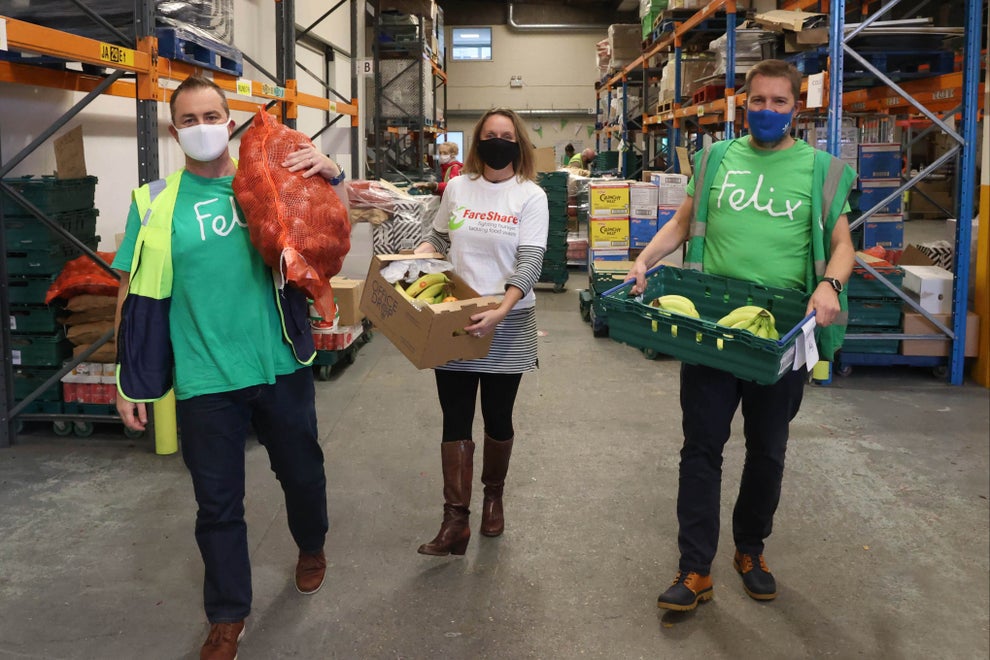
753	319
676	304
428	289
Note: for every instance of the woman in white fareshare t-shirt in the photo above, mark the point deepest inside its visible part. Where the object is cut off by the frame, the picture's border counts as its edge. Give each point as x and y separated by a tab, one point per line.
492	224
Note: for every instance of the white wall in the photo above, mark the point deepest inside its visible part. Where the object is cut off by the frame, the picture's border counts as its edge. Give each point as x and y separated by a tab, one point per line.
109	126
558	69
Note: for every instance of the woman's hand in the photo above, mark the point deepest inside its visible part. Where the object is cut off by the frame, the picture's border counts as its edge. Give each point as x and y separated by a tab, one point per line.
485	322
308	160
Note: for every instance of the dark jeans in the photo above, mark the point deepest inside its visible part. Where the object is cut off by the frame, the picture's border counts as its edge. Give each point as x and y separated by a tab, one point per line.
458	392
214	429
709	398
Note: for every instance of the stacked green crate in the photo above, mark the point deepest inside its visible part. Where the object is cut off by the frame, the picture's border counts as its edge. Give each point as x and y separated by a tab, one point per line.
555	258
35	256
873	309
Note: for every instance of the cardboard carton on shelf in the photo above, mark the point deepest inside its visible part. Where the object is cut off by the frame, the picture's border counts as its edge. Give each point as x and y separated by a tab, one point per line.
347	296
430	335
916	324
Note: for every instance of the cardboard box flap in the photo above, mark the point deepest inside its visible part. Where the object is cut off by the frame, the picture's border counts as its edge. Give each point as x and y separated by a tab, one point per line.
795	21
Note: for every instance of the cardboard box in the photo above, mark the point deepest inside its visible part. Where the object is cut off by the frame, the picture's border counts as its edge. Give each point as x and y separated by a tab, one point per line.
879	161
876	190
610	233
916	324
643	200
608	255
884	230
609	200
672	189
932	286
347	296
427	336
641	231
545	159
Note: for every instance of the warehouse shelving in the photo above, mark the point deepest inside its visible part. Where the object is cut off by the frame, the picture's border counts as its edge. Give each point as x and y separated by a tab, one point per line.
410	95
132	71
948	94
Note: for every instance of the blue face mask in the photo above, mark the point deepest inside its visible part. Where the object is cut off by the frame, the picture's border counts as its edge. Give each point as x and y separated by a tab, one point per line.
767	126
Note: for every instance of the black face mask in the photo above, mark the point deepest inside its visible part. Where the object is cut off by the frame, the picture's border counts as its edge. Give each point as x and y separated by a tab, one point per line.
497	153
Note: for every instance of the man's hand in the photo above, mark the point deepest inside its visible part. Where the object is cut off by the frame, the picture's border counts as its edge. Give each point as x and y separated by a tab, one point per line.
134	415
308	160
638	273
825	303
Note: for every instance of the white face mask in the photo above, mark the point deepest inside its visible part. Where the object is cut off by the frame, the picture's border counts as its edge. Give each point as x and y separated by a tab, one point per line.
204	142
445	158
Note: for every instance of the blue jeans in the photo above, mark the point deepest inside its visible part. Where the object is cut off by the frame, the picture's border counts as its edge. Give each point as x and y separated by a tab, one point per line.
215	428
709	399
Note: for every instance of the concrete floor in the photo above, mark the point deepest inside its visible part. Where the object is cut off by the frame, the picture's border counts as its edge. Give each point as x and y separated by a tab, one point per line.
880	548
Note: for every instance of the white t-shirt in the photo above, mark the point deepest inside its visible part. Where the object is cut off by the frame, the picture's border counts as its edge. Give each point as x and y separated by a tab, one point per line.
487	223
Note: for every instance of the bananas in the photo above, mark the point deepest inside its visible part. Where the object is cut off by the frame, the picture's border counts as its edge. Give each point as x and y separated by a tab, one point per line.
424	282
753	319
677	305
428	289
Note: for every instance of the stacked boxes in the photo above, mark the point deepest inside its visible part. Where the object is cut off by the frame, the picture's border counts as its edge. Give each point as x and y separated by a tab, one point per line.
879	176
555	258
642	214
35	255
649	11
608	233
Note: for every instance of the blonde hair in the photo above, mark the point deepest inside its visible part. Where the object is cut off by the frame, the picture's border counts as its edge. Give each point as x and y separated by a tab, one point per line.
448	147
524	166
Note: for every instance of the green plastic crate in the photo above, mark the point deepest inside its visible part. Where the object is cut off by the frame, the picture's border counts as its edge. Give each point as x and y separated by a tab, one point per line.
702	341
40	350
29	233
875	312
28	380
48	261
864	285
50	195
881	346
28	290
34	318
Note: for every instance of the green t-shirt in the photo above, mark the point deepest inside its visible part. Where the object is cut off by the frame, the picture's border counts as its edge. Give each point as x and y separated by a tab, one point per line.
759	215
225	327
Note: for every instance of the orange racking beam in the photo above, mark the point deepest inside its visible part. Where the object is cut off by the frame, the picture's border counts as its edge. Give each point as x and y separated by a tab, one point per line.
29	74
23	36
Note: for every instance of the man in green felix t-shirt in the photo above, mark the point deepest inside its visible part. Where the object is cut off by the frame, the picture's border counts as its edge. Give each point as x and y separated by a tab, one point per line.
234	370
759	228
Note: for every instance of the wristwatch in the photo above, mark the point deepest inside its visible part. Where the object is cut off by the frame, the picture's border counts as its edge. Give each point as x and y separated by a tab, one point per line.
834	283
337	180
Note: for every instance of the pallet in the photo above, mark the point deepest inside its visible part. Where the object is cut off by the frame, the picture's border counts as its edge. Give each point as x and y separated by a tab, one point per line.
666	106
899	65
185	46
708	93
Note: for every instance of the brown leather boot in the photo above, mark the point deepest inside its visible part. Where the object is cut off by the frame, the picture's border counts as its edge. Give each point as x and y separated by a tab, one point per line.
457	459
496	465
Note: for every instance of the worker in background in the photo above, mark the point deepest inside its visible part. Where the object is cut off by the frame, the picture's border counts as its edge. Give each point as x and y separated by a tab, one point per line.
583	160
199	310
449	168
492	224
568	154
771	210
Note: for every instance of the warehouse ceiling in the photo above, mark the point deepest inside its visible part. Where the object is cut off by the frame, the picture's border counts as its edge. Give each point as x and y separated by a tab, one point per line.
532	14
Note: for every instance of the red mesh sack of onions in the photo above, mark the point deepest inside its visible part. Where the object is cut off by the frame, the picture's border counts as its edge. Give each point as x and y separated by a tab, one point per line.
299	225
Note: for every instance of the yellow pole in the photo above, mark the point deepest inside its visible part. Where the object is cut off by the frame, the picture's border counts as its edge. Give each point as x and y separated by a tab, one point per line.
981	370
166	435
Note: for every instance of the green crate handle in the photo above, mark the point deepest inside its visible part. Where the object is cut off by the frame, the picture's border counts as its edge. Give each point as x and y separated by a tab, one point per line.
617	287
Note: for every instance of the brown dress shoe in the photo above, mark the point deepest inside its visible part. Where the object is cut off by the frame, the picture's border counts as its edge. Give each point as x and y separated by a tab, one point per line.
310	571
221	643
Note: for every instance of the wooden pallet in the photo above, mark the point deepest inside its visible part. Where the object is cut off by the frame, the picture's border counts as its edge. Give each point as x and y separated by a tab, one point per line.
708	93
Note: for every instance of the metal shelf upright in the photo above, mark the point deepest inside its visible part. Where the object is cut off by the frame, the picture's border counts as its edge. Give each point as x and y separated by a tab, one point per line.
409	83
140	60
965	147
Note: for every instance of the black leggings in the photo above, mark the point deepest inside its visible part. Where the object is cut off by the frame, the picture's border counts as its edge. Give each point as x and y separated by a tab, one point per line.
458	391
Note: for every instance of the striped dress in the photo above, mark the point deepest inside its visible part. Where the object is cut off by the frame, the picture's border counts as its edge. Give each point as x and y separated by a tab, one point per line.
495	235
